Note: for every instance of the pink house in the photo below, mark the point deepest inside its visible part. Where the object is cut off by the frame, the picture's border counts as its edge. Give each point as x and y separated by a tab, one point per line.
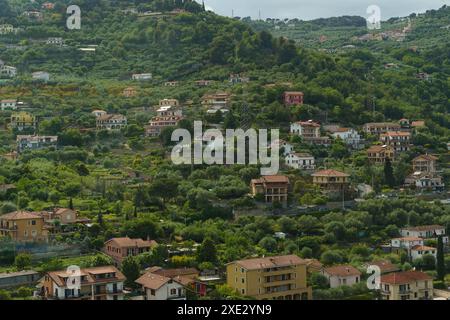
293	98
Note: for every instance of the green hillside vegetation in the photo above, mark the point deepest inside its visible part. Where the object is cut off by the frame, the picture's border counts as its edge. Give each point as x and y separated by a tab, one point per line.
126	183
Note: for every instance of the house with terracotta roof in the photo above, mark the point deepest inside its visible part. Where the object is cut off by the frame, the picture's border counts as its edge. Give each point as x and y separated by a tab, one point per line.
99	283
23	226
400	141
342	275
377	128
188	277
270	278
408	285
121	248
420	251
425	163
332	182
384	265
424	181
379	154
159	287
300	161
111	122
293	98
273	188
306	129
219	100
65	216
310	132
429	232
405	244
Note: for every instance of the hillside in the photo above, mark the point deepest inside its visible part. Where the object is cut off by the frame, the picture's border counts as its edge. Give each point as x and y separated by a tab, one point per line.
117	173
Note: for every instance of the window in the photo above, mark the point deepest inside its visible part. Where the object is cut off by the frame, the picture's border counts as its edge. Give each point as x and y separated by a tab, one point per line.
152	292
243	291
173	292
33	222
243	280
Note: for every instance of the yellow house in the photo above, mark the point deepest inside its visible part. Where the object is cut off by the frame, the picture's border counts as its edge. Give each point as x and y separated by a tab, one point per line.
331	181
23	226
271	278
23	120
408	285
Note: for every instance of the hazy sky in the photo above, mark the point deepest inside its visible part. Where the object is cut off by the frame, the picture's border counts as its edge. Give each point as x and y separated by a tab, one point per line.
311	9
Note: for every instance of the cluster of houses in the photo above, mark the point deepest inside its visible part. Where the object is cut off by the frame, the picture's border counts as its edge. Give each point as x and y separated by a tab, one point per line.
412	241
266	278
394	139
275	188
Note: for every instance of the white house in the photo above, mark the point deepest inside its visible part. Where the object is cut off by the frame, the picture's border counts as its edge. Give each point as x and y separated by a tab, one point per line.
41	75
420	251
302	161
406	243
33	142
111	122
343	275
425	232
142	76
306	129
98	283
8	104
7	71
350	136
157	287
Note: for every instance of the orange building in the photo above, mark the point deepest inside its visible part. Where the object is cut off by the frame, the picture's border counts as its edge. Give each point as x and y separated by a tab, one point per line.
274	188
23	226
